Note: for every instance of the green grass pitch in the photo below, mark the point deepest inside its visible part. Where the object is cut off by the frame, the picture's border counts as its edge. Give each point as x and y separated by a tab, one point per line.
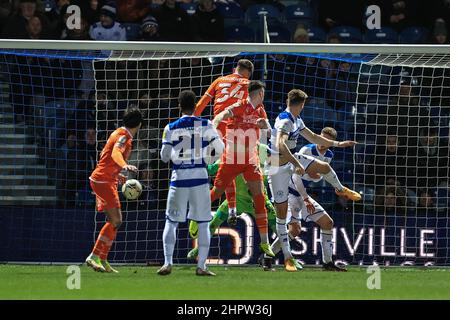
49	282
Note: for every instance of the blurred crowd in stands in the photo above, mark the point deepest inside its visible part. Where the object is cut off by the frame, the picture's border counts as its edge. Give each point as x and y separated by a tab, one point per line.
402	162
404	21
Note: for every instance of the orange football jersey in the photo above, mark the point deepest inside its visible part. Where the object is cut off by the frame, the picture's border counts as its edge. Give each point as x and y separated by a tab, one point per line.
225	91
242	133
107	169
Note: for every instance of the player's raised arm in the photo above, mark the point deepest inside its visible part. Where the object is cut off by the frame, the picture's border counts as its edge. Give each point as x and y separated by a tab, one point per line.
318	139
117	156
298	183
215	142
132	121
205	99
225	114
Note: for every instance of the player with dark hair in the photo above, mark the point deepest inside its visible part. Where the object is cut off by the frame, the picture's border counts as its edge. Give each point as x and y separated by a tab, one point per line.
186	143
226	91
104	180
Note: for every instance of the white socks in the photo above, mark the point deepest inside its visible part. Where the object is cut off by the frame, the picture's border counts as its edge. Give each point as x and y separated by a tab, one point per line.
169	239
283	236
276	246
204	238
326	240
332	179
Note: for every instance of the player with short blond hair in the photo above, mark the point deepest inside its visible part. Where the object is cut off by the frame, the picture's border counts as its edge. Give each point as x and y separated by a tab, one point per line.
282	163
316	158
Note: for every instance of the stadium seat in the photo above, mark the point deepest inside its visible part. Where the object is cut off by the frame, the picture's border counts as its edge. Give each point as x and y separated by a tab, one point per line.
190	8
317	35
254	12
383	35
298	14
279	34
232	13
413	35
239	34
230	10
133	30
347	34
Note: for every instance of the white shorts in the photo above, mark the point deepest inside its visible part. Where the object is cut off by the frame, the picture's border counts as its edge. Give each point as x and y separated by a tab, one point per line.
297	208
305	160
199	204
279	178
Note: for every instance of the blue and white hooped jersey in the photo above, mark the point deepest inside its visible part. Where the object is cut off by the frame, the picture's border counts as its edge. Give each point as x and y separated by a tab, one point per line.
311	150
286	123
116	32
189	138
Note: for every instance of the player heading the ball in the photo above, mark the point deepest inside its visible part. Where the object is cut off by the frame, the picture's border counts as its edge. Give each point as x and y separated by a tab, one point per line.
226	91
247	118
104	180
188	143
282	162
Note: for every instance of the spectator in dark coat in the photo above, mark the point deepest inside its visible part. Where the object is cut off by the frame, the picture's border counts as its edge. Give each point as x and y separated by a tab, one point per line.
174	23
399	14
433	158
6	8
208	22
16	25
334	13
150	29
132	10
439	35
34	28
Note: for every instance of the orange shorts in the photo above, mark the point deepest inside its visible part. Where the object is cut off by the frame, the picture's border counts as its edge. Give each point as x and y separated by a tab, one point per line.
228	172
106	195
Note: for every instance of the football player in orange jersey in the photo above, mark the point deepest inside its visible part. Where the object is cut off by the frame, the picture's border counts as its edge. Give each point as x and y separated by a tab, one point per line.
226	91
104	180
247	118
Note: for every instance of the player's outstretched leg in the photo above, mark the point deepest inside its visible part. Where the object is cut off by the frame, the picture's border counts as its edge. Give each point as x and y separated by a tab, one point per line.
331	177
169	239
204	239
348	194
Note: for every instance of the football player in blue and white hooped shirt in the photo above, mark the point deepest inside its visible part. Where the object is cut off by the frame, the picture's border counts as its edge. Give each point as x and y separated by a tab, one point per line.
314	157
282	163
188	143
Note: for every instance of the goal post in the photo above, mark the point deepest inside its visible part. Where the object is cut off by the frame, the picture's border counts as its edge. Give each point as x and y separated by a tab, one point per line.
59	105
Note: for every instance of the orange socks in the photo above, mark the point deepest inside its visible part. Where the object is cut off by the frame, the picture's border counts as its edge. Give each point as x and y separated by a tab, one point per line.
261	216
104	241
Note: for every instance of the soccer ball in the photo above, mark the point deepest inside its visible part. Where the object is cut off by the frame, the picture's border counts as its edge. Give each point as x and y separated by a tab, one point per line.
132	189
